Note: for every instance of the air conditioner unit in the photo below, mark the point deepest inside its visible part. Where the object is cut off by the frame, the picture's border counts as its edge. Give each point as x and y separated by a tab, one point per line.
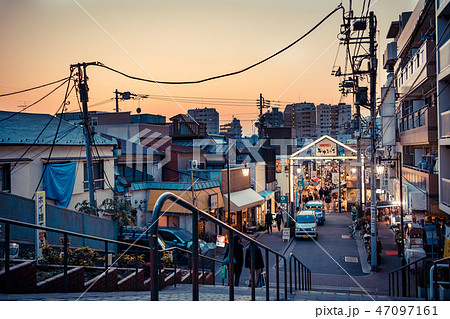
193	164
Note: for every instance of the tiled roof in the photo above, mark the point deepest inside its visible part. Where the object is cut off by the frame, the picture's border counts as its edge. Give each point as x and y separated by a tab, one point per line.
24	128
170	186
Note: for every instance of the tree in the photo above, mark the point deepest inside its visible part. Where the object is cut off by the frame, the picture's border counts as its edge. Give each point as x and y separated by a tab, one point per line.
86	207
119	209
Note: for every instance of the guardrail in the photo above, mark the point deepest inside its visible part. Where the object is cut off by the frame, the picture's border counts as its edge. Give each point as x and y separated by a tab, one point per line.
303	275
439	275
196	213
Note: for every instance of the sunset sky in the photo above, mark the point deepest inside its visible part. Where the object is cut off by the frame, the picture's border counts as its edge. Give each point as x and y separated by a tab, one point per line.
177	41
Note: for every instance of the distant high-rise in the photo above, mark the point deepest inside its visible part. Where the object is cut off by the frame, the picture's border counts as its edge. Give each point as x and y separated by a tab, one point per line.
323	118
206	115
232	130
302	117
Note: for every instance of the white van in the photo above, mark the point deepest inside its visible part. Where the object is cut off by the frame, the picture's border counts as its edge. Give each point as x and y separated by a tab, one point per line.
306	224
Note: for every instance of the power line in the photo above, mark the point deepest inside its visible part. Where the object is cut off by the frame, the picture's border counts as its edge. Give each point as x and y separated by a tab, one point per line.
34	88
339	7
42	98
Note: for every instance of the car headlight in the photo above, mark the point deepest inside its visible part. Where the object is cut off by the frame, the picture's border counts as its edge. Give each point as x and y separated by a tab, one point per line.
314	228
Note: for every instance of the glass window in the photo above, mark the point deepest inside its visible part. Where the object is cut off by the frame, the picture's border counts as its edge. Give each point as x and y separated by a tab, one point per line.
98	175
305	219
5	175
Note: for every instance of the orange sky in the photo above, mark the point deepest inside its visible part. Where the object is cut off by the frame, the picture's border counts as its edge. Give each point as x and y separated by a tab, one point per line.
176	41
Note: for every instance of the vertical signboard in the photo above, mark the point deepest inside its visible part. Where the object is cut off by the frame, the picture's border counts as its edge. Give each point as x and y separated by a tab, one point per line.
335	178
447	242
40	221
385	181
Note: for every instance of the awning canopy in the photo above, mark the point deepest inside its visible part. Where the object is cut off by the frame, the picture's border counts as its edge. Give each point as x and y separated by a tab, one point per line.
243	199
267	194
201	199
385	204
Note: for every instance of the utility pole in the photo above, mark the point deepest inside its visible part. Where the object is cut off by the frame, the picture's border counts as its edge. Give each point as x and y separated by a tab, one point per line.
373	197
117	100
83	90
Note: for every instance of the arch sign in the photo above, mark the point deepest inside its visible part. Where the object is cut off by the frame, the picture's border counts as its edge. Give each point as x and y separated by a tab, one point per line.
326	147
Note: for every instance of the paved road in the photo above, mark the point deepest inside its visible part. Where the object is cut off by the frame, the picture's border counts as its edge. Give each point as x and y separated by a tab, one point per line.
328	254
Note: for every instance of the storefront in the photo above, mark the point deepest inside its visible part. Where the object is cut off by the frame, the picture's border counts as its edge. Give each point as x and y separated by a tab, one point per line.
241	202
206	196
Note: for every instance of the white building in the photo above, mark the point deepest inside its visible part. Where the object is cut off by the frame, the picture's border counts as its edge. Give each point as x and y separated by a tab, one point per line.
206	115
26	147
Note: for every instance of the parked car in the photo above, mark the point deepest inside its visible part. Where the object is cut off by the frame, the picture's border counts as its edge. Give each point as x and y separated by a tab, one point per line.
306	224
138	236
317	206
180	237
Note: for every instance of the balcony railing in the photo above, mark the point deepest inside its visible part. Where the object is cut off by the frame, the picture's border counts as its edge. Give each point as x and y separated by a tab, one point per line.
418	127
445	191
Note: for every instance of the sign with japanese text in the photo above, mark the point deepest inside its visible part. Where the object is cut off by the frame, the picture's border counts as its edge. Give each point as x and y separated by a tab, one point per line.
220	242
213	201
326	148
385	181
40	221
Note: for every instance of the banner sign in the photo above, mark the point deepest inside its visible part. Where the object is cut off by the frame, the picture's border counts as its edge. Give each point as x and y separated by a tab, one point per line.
385	181
213	201
40	221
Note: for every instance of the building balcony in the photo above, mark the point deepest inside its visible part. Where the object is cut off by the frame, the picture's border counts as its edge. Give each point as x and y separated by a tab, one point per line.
419	127
390	55
415	73
426	182
445	124
445	194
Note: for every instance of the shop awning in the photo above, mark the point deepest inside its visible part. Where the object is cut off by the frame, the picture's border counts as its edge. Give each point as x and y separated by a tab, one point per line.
202	199
243	199
385	204
267	194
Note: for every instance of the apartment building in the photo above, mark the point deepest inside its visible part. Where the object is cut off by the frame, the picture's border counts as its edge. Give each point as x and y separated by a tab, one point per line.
206	115
411	56
443	101
232	130
302	117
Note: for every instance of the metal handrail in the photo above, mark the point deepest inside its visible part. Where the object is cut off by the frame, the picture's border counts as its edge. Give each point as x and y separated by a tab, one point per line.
405	282
304	274
196	213
433	275
66	234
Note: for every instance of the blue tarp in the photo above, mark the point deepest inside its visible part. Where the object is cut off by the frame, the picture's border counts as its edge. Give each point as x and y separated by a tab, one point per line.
59	180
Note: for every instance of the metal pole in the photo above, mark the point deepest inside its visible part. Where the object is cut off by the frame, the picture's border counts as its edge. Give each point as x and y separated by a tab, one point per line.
195	292
83	89
228	187
252	270
136	266
400	177
267	275
373	201
339	187
278	277
289	208
66	257
231	266
117	101
106	267
285	278
7	258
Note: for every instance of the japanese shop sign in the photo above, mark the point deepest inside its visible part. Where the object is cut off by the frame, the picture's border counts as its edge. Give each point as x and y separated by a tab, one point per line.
40	221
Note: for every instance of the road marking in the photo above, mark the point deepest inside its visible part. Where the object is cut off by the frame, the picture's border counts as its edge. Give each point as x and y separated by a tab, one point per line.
351	259
345	236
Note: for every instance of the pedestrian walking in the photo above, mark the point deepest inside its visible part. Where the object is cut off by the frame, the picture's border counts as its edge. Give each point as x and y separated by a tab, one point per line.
259	264
269	222
279	219
238	259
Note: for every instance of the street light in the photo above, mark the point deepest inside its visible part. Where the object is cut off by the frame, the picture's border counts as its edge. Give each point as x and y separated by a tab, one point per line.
245	171
380	170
